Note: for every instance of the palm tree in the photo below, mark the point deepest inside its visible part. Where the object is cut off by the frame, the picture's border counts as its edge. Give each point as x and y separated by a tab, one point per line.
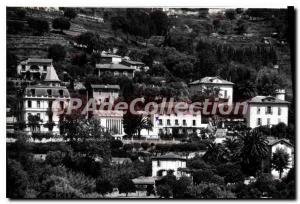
215	153
253	150
280	161
232	145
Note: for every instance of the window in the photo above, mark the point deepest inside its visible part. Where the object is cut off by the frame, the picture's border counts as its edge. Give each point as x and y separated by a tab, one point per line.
259	121
160	122
29	104
158	163
38	104
49	92
269	110
258	110
32	92
194	122
176	122
279	111
225	94
50	104
61	104
184	122
61	93
168	122
268	121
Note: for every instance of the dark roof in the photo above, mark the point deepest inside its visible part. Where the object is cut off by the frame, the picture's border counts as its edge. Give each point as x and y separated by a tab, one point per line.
267	99
211	80
170	156
273	141
41	90
107	86
113	66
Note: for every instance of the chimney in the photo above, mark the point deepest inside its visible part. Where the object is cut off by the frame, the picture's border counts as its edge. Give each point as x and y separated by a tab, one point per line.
280	94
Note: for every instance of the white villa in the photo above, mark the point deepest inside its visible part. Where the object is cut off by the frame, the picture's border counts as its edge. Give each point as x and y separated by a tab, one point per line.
35	66
266	110
226	87
165	122
40	100
170	161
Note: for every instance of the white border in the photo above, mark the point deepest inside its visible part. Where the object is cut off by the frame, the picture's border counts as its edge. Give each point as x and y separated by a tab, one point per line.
118	3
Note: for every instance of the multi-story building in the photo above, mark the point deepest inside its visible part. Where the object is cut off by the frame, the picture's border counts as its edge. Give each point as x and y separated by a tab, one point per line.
208	83
102	92
174	122
115	69
34	68
162	164
266	110
110	58
133	64
45	101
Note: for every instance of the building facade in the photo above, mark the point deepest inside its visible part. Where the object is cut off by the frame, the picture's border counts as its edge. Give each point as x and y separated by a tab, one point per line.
111	121
173	122
162	164
225	87
266	110
36	68
115	69
45	101
103	93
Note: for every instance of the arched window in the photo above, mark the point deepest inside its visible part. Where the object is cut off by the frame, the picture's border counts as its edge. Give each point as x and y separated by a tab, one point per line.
61	93
49	92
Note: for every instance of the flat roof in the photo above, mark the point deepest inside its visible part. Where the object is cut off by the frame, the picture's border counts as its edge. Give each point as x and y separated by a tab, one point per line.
103	86
113	66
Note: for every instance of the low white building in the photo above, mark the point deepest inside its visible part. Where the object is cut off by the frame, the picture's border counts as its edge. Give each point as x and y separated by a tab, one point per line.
266	110
103	92
172	122
162	164
111	121
274	145
41	100
206	83
37	67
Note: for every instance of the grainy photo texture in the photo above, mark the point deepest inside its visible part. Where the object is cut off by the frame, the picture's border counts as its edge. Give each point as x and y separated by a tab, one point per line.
150	103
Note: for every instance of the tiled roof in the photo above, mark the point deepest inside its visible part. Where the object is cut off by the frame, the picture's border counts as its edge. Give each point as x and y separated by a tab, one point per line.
133	62
107	86
143	180
113	66
267	99
211	80
38	60
170	156
273	141
110	55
